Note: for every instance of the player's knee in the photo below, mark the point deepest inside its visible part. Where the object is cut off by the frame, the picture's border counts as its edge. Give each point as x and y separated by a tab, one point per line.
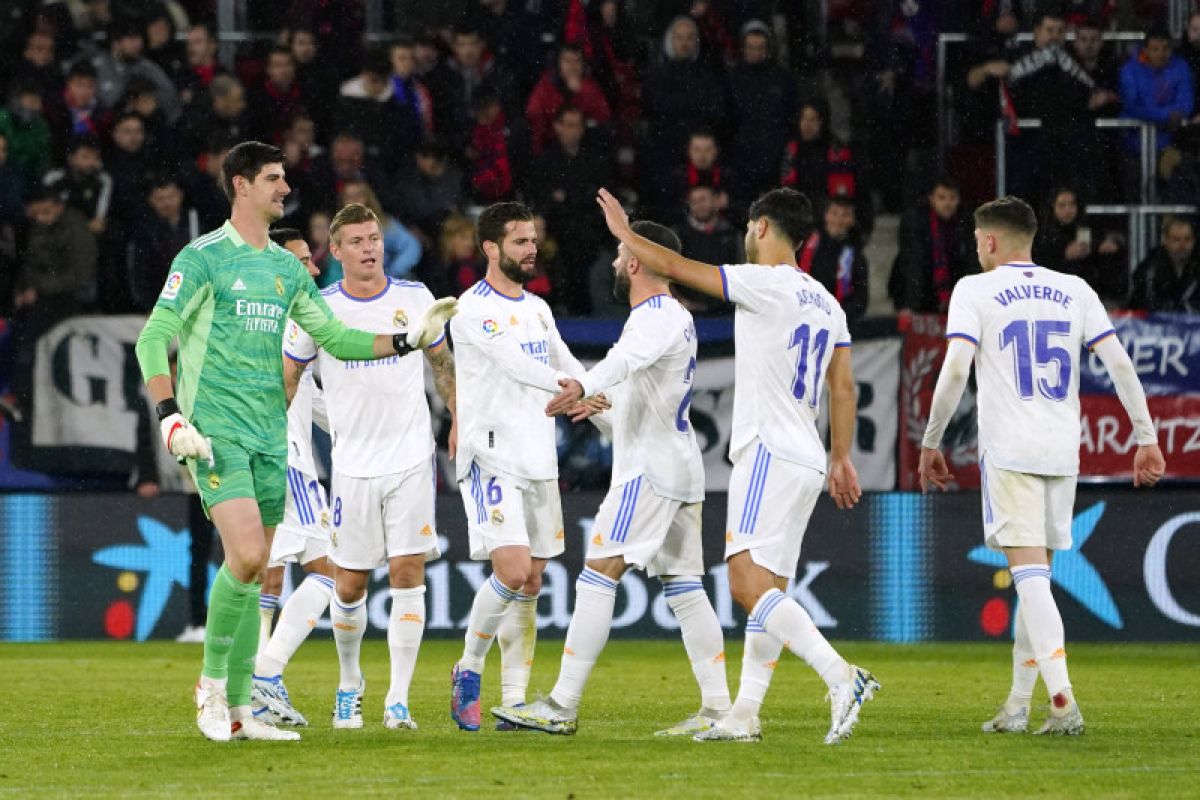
515	576
744	594
532	585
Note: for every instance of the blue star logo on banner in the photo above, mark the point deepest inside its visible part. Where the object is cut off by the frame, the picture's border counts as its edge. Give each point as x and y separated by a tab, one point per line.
1071	569
164	558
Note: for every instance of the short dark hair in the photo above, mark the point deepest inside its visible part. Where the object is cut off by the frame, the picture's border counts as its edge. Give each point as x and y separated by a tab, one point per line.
127	115
703	132
81	68
659	234
788	210
1007	213
377	62
280	50
1157	31
160	180
247	160
281	236
1048	13
492	224
946	182
84	141
403	40
568	108
41	193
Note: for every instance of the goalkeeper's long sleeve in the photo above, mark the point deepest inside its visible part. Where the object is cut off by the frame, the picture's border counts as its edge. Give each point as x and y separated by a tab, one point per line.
154	340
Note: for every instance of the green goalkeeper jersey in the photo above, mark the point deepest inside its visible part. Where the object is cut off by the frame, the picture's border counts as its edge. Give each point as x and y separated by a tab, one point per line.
229	303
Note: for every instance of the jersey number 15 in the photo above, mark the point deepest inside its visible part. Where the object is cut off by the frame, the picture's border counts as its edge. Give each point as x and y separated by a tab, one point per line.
1017	334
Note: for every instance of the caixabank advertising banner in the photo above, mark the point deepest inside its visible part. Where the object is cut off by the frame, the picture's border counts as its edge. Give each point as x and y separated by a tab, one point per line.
900	567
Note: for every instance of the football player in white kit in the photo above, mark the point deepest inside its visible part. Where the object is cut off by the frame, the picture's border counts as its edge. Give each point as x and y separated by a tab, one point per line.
383	485
1024	327
650	518
302	537
789	337
509	359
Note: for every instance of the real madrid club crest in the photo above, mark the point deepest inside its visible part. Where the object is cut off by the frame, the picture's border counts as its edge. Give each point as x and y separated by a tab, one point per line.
497	517
214	481
400	319
324	519
279	285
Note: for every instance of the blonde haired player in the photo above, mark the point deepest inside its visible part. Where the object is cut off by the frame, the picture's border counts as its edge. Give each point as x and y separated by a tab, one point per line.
383	484
1024	326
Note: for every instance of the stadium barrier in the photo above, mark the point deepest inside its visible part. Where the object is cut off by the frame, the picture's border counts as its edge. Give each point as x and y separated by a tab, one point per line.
900	567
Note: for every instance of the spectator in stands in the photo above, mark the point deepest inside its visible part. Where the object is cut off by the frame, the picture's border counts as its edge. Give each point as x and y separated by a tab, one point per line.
430	191
490	166
162	46
514	36
10	187
201	181
83	184
202	64
57	280
762	98
141	98
1048	84
462	265
1189	48
565	84
122	60
703	167
1066	242
159	236
547	264
708	237
129	161
37	65
220	114
318	71
822	167
401	250
346	161
279	97
365	106
1169	278
1156	86
936	249
455	84
1089	52
413	102
77	111
318	243
833	255
681	94
27	134
562	185
613	53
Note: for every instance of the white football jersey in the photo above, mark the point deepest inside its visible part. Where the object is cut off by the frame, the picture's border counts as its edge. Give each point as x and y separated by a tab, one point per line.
308	403
508	357
785	329
1029	325
378	414
648	377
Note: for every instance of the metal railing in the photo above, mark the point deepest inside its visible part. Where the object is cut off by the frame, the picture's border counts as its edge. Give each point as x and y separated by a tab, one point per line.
1147	151
1142	227
945	121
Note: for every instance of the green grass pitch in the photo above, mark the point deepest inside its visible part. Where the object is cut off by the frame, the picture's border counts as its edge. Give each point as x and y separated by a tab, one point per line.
115	720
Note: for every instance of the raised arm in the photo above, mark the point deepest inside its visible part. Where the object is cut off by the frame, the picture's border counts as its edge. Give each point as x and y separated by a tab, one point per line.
661	260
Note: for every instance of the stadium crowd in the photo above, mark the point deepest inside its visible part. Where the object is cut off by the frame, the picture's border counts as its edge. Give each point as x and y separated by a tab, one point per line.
118	113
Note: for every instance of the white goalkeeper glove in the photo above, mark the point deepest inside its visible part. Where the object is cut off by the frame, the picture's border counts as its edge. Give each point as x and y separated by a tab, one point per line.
180	437
432	323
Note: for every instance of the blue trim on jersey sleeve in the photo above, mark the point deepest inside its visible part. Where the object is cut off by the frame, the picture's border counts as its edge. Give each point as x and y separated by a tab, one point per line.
437	341
650	299
724	284
502	294
297	358
963	336
841	344
1105	335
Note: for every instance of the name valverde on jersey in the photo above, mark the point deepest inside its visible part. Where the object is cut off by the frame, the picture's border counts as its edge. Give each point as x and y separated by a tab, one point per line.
1029	325
786	327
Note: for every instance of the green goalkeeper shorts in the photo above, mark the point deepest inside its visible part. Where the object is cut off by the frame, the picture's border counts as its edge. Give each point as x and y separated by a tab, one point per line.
237	472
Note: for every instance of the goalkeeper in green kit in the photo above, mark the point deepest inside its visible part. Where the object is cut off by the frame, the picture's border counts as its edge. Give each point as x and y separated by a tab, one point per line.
228	297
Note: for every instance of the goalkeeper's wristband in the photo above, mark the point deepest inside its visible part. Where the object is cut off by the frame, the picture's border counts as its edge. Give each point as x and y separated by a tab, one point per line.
166	408
400	343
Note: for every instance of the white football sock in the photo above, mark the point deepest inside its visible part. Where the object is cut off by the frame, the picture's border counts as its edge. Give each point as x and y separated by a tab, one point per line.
517	637
1045	628
1024	666
267	603
702	638
406	625
349	625
487	612
297	619
595	598
787	621
758	667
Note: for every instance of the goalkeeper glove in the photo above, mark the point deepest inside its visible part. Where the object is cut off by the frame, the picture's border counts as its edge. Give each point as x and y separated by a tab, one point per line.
182	440
428	328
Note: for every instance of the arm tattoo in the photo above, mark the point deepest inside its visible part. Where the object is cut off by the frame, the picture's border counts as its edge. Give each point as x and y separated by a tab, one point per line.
442	361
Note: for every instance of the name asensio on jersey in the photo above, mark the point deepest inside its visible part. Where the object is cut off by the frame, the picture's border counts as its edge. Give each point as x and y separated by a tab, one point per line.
260	316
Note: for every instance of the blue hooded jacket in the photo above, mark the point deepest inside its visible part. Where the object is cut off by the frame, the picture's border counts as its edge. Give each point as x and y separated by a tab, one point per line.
1152	95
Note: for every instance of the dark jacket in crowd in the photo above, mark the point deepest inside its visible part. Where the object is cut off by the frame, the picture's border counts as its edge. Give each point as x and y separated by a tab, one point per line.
1157	286
913	285
841	267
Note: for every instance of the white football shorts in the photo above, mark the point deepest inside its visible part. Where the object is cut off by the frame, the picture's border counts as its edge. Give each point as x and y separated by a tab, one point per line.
651	532
375	519
1024	510
504	510
303	535
770	502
